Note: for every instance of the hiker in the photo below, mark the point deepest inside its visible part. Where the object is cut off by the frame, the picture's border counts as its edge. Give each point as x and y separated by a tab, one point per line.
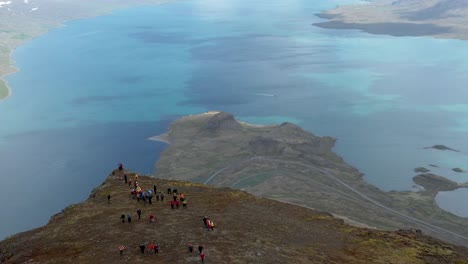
129	218
177	203
151	247
125	178
154	188
172	204
108	199
190	247
162	197
174	191
181	197
184	204
202	257
139	214
120	166
151	217
204	220
200	249
156	249
130	182
123	218
208	224
212	225
169	191
142	248
121	249
150	196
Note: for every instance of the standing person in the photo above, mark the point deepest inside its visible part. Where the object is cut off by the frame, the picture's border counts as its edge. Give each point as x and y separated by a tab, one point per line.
162	197
172	204
208	224
174	191
190	248
177	203
130	182
151	217
129	218
202	257
150	196
121	250
151	247
139	214
154	188
108	199
156	249
182	197
142	248
125	178
120	166
200	249
122	216
169	191
184	204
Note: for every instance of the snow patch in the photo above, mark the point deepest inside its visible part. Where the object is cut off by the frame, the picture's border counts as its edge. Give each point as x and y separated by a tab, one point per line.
34	8
26	1
4	3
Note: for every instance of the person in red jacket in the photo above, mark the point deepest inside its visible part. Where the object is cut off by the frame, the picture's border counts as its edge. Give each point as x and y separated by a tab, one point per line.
172	204
202	257
151	217
177	203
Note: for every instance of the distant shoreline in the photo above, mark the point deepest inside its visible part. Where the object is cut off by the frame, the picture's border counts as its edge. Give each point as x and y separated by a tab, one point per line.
8	69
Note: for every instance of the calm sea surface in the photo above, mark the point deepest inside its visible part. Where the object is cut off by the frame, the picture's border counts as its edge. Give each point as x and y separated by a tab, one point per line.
89	94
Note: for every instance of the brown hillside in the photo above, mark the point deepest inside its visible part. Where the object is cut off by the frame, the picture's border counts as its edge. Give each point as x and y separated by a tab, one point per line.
248	230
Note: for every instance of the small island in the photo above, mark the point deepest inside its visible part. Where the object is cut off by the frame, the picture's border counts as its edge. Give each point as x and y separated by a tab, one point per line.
458	170
421	170
441	147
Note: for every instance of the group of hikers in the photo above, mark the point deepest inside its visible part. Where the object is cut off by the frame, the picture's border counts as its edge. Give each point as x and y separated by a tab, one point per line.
138	193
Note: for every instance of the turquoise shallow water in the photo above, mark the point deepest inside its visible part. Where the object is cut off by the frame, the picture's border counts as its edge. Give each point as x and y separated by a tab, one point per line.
97	88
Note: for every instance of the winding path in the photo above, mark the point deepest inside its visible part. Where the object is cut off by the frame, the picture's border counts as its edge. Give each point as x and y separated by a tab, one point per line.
328	174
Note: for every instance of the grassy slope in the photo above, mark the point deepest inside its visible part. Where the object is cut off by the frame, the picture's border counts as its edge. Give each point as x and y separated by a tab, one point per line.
248	230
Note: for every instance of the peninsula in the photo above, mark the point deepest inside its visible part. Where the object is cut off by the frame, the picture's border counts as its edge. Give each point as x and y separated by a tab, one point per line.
286	163
437	18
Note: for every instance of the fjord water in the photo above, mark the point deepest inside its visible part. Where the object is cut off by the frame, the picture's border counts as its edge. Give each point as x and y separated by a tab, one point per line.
88	95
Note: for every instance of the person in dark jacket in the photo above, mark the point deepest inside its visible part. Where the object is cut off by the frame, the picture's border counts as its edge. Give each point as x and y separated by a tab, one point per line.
139	214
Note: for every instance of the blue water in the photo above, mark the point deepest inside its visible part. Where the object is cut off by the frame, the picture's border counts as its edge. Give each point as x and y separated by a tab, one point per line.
89	94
